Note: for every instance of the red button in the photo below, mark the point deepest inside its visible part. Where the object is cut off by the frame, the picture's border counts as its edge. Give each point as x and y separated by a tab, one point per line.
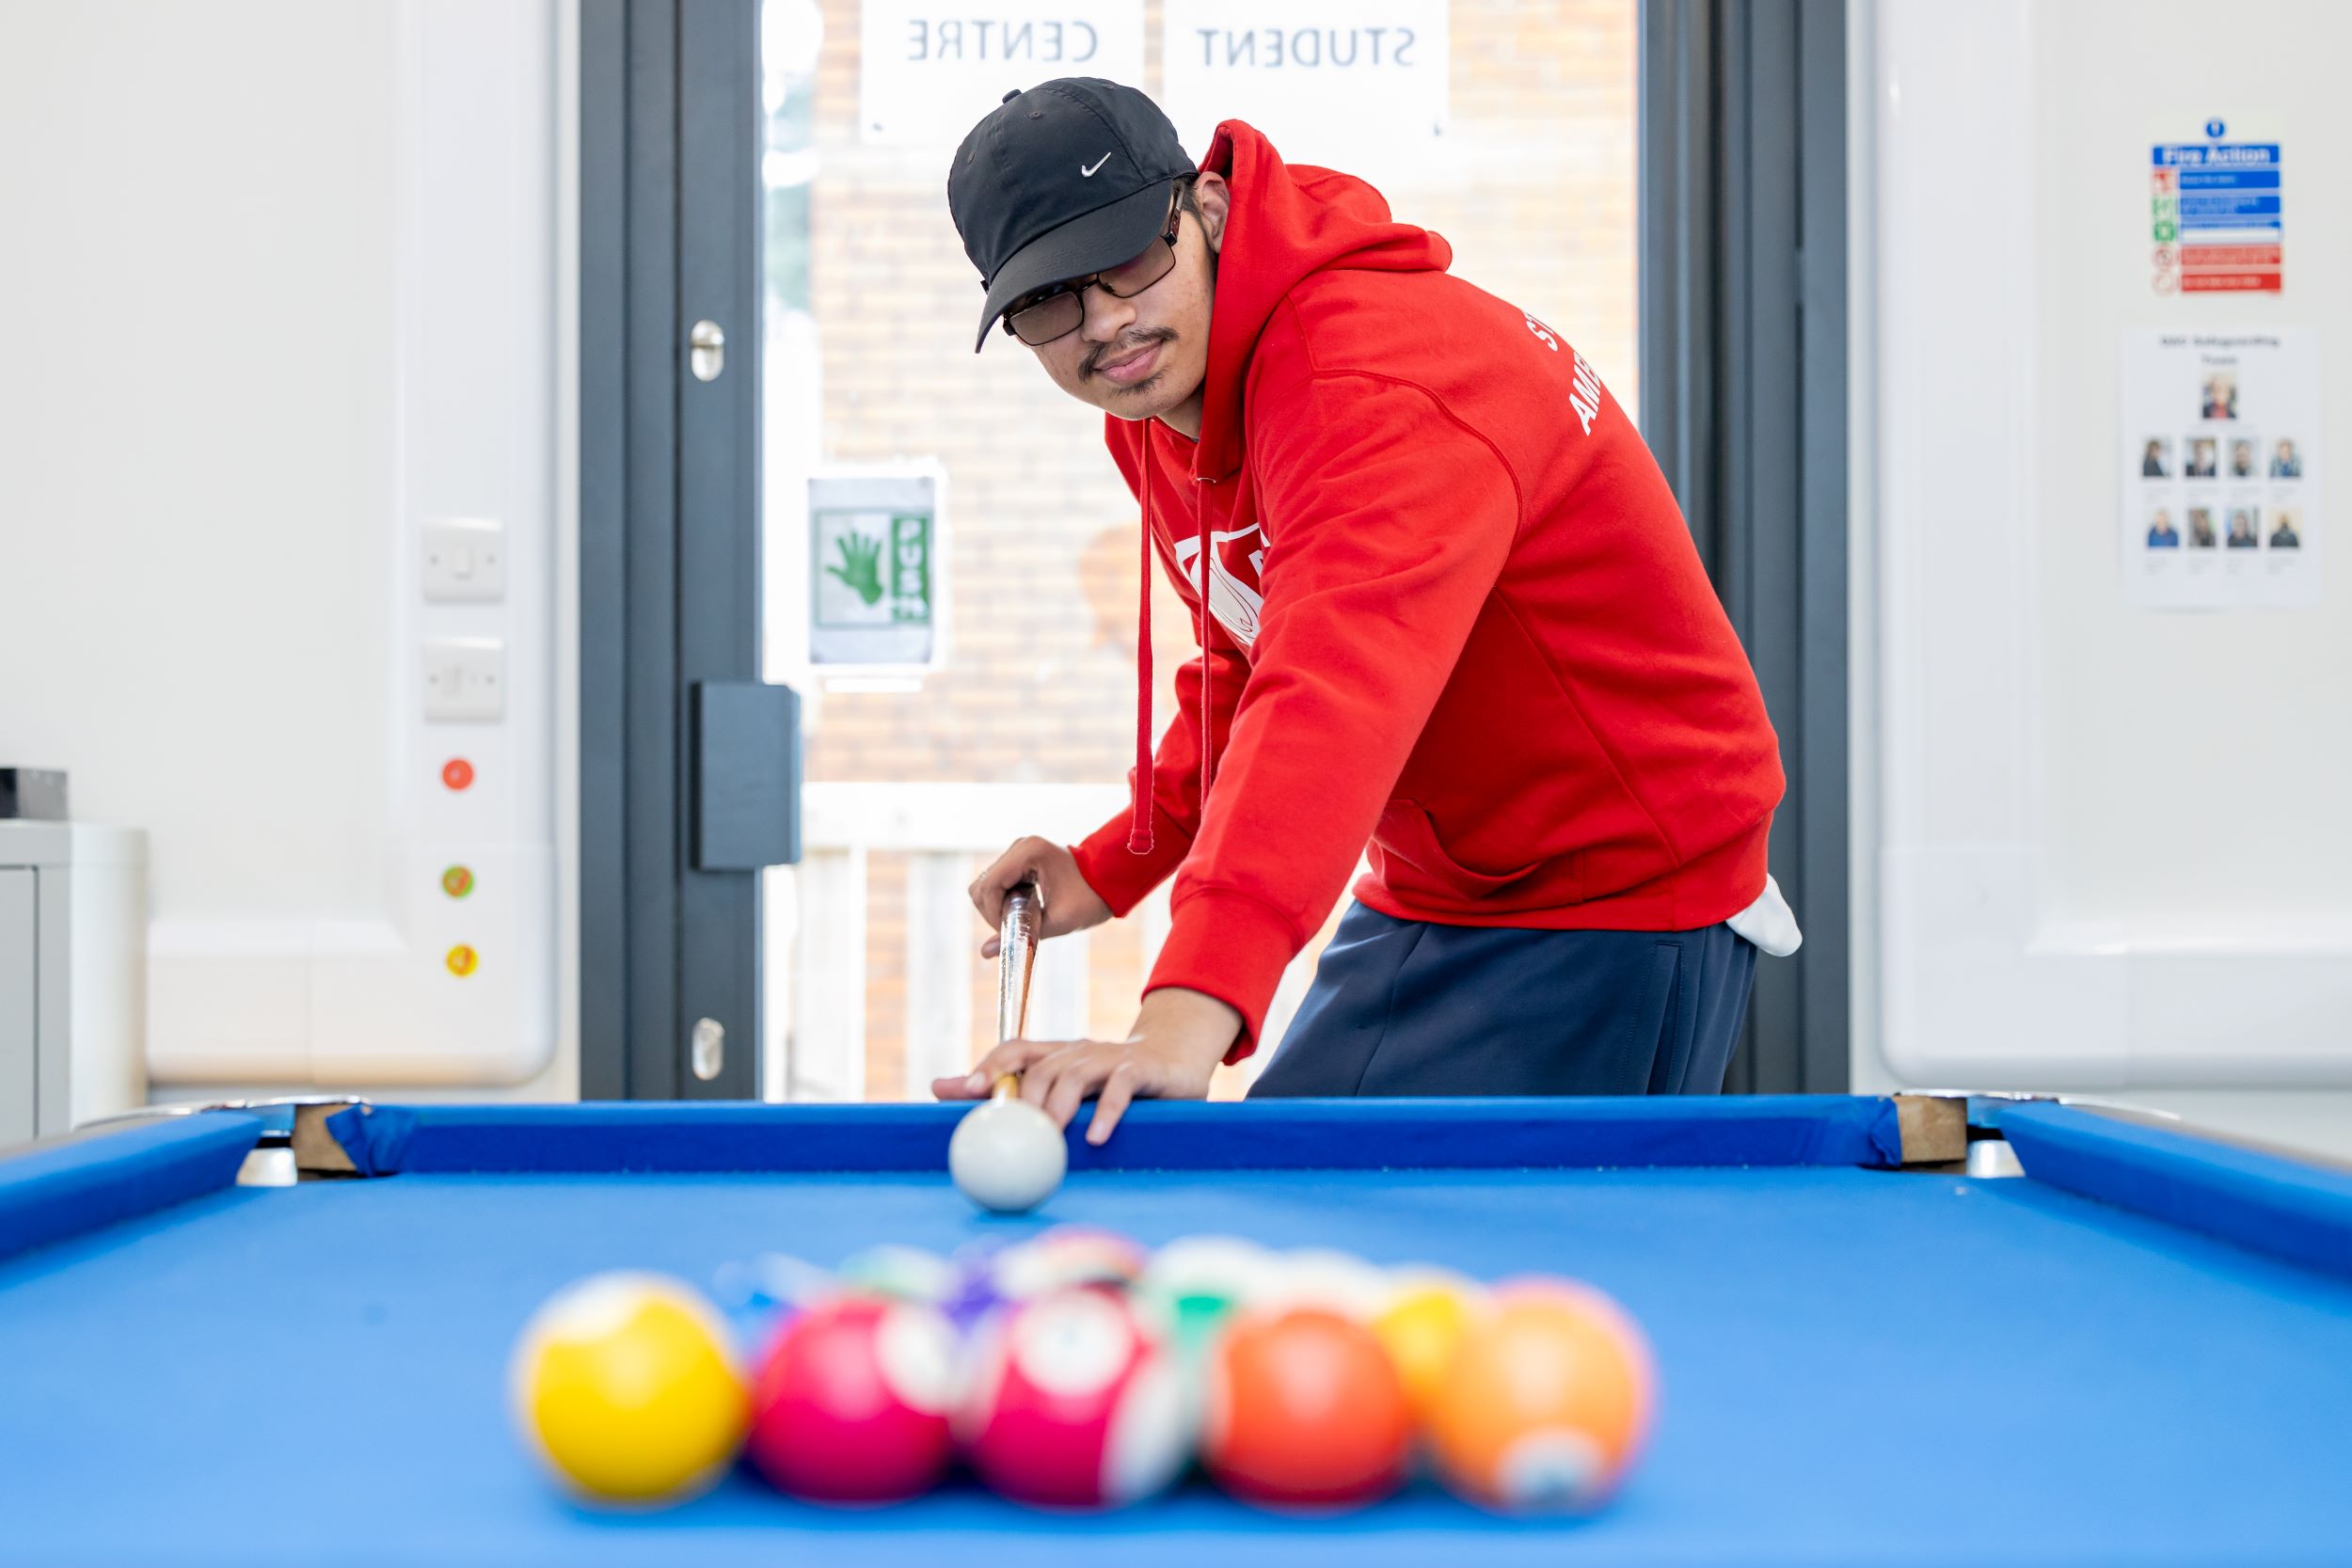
457	772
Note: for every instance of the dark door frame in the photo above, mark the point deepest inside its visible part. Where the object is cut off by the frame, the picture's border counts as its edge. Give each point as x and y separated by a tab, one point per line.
1743	232
669	547
1742	215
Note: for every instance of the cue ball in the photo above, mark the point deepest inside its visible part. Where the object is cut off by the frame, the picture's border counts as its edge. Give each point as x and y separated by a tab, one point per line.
1007	1156
624	1386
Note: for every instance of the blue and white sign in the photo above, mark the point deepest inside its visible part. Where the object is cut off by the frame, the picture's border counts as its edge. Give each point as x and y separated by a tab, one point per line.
927	71
1326	83
2218	215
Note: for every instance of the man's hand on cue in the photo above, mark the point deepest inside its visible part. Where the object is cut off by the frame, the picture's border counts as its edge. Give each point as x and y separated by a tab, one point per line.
1178	1037
1070	904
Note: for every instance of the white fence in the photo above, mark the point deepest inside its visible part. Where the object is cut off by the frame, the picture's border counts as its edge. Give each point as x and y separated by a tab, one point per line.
817	940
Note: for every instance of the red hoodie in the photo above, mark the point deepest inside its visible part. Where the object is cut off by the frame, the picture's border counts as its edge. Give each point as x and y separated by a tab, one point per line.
1452	609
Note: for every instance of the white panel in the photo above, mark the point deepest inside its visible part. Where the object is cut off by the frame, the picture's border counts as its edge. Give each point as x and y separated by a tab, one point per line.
2109	849
943	944
2193	761
779	985
232	999
1957	426
1059	991
108	972
976	819
2225	1018
1972	997
231	458
199	455
828	1046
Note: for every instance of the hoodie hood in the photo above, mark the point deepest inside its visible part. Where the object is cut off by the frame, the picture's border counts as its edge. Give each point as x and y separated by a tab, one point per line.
1287	221
1284	225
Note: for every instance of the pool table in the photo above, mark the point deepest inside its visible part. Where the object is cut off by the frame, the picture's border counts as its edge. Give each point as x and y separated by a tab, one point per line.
2138	1351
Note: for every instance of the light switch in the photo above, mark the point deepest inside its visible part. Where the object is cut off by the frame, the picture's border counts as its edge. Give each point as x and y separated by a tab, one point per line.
465	680
464	560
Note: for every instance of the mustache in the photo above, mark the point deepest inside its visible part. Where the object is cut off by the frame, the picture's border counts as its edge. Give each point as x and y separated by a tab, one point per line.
1128	344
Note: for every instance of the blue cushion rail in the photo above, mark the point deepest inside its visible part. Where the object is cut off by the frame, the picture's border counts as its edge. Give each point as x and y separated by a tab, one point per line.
1278	1134
68	1188
2267	1202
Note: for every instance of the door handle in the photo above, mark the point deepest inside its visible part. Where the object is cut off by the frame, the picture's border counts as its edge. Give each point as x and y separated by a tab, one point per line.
706	351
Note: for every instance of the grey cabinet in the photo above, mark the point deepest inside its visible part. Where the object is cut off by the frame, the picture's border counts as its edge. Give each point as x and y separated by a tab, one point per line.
72	974
19	954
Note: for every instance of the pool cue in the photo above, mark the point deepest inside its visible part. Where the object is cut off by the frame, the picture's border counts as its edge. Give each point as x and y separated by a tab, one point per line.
1016	959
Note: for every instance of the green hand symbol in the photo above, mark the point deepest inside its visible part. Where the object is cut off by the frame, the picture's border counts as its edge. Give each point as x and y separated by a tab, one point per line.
861	566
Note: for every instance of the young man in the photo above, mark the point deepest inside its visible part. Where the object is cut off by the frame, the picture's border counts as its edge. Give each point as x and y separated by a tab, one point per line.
1446	606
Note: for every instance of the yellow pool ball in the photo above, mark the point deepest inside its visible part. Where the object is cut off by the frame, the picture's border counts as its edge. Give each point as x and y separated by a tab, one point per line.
623	1385
1421	1326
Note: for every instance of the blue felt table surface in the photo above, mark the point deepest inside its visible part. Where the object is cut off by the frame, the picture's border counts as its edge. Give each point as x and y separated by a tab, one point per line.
1859	1366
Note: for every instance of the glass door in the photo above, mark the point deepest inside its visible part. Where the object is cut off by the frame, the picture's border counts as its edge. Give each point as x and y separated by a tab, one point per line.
947	554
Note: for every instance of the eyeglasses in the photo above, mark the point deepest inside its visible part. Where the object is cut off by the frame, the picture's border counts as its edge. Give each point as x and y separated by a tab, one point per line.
1061	310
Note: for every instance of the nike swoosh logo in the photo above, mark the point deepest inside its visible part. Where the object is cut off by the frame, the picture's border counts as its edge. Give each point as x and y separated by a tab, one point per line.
1086	173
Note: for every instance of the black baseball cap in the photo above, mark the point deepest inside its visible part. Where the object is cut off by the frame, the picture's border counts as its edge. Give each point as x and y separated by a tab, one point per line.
1066	179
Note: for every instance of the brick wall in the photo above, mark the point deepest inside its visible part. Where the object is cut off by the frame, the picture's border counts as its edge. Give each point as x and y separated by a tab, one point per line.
1042	565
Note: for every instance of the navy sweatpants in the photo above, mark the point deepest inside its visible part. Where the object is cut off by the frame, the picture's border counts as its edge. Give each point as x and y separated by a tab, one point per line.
1402	1006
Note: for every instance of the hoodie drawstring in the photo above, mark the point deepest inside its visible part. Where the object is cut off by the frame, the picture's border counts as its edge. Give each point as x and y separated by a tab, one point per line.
1139	821
1139	825
1201	531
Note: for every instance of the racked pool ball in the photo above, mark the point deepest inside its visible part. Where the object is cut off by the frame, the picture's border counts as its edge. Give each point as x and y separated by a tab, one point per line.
624	1385
1073	1402
976	1296
1197	1282
1305	1410
1332	1279
1546	1402
1427	1313
758	1293
901	1272
851	1402
1066	1257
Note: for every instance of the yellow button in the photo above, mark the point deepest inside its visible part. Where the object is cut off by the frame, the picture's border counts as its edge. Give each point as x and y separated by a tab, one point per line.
462	960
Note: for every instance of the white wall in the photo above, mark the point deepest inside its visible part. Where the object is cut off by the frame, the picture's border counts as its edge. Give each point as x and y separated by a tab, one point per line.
252	254
2099	847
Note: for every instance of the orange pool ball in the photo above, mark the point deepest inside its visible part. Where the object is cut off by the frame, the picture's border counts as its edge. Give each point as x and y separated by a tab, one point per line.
1305	1410
1546	1402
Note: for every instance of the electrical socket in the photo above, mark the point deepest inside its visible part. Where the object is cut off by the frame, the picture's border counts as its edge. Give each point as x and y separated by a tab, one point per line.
464	560
465	680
